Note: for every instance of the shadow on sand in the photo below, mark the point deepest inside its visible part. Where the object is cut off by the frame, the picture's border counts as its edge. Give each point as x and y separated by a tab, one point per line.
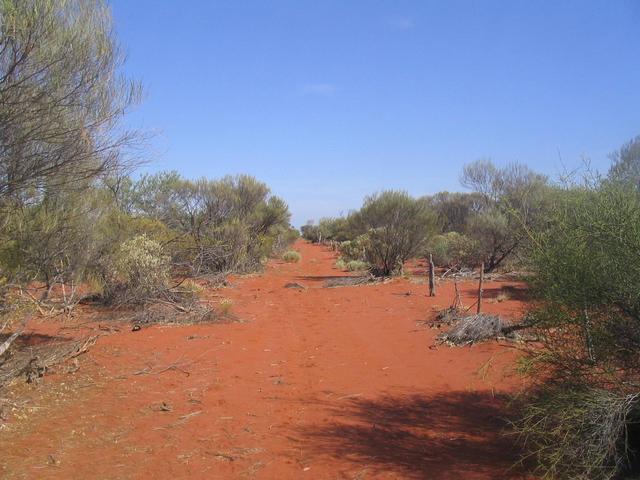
452	435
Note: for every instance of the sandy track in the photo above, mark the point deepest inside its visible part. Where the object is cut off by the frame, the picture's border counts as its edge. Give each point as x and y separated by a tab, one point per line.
318	383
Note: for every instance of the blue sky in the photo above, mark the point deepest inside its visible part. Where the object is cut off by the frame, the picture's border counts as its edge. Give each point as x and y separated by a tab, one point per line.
328	101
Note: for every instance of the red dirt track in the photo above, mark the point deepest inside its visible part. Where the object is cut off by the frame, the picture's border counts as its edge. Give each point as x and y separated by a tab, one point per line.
317	383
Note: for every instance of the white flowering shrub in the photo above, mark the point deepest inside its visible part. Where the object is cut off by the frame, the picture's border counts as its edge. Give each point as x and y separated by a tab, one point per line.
140	271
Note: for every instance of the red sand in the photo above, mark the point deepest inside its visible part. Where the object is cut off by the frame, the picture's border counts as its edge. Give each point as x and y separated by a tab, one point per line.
318	383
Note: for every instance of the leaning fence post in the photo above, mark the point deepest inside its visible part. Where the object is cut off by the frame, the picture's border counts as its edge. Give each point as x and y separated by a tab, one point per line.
432	277
480	291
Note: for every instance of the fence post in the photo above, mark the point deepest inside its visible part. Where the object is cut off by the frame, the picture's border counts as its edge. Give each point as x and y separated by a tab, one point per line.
480	290
432	277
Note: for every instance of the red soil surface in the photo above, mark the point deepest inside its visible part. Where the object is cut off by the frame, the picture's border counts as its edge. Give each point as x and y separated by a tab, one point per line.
317	383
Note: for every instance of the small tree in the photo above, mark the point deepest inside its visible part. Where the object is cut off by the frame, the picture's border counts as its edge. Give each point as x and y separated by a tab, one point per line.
513	201
580	419
396	226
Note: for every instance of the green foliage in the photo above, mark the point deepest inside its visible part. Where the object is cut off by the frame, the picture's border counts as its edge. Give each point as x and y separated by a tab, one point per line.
394	227
625	167
62	94
232	224
353	249
291	256
507	204
357	266
453	249
577	433
586	274
139	271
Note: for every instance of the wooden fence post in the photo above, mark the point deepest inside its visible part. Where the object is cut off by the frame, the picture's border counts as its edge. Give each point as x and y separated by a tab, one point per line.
432	277
480	290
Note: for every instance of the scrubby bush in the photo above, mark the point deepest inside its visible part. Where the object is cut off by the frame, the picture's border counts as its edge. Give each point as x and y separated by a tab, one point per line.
357	266
232	224
579	432
508	203
352	249
139	272
394	227
341	264
291	256
452	249
581	417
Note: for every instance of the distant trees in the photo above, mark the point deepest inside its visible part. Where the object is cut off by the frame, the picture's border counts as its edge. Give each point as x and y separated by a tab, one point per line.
390	228
231	224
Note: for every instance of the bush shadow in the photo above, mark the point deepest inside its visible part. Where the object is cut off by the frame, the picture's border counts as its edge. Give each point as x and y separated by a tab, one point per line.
418	436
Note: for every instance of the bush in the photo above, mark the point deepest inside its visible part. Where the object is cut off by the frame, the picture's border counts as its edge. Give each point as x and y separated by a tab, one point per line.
580	419
291	256
576	432
139	272
357	266
341	264
453	249
394	227
352	249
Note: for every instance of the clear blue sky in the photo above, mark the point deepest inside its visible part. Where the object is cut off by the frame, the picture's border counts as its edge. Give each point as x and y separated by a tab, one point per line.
328	101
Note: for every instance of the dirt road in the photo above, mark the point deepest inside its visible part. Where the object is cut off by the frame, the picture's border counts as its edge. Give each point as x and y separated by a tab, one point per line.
316	383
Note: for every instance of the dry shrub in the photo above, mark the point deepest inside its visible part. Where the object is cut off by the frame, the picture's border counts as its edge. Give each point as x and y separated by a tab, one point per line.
473	329
576	432
162	313
349	281
32	361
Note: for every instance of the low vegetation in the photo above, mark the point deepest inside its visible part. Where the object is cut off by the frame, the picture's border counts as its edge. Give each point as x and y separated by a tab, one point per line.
291	256
78	224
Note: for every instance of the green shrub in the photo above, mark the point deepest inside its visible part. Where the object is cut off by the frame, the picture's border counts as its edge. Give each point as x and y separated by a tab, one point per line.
453	249
357	266
341	264
576	432
585	266
352	249
291	256
138	272
394	227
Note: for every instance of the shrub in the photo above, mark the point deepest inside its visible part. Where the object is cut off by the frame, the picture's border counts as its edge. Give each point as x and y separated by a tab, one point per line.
581	418
226	304
395	227
341	264
453	249
576	432
357	266
291	256
139	272
352	249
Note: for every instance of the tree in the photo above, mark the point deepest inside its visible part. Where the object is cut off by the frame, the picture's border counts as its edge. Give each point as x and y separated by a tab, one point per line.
625	167
396	226
513	200
61	94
